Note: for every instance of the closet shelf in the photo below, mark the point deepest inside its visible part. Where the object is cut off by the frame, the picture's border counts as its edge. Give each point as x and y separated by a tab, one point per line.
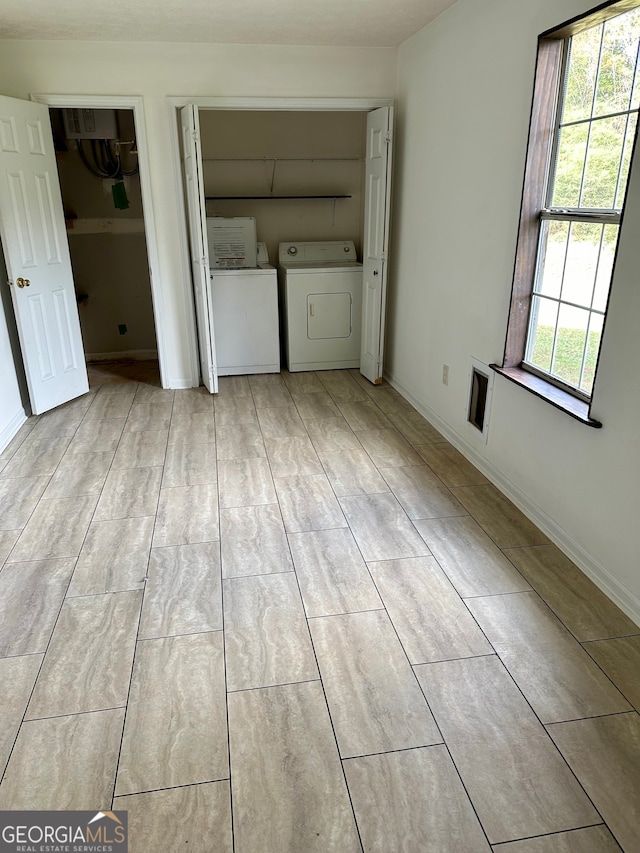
254	197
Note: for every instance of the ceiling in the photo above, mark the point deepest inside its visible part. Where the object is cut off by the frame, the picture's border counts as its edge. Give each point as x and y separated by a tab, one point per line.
358	23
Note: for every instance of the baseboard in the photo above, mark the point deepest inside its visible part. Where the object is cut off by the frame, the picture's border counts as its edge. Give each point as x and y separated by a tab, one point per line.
12	428
125	355
601	576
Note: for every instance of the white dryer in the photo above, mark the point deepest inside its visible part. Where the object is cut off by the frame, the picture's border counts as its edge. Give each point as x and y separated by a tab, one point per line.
321	302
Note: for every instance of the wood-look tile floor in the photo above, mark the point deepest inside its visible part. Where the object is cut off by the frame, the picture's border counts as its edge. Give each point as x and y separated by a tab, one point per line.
293	618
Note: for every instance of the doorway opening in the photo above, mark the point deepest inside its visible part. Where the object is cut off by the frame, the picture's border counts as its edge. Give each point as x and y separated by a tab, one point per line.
97	162
306	173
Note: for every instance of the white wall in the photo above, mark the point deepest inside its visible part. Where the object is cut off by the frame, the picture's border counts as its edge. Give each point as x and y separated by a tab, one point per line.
464	96
156	71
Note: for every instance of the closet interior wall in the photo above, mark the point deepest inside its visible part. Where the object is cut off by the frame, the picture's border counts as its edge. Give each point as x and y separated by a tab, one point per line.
264	157
108	252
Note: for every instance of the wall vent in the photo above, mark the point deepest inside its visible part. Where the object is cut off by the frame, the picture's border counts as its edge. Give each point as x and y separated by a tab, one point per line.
479	404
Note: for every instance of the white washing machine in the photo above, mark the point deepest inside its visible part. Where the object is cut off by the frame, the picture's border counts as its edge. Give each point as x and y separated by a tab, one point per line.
321	302
244	307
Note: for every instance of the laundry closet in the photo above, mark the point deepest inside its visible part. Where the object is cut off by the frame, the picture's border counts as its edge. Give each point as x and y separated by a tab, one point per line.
302	175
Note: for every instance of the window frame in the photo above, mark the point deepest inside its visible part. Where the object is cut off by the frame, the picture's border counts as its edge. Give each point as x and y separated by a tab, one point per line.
549	79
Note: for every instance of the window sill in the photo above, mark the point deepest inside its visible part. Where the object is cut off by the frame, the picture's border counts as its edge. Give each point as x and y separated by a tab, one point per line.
562	400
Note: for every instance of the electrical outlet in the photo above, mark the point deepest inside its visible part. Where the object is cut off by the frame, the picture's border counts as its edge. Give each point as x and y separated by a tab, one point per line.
122	329
445	374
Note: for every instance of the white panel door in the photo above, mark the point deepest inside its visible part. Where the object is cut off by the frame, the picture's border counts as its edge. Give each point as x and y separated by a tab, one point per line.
376	237
36	251
192	159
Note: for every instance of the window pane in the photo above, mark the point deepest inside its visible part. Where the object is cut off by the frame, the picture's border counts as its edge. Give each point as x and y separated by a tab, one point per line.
605	267
571	338
617	64
553	248
572	151
582	263
593	348
582	74
626	160
542	327
603	162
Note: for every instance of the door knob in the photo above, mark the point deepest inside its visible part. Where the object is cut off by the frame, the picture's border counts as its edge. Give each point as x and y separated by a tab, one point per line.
375	272
23	282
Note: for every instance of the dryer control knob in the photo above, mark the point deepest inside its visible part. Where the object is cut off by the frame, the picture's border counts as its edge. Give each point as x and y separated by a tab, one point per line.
292	250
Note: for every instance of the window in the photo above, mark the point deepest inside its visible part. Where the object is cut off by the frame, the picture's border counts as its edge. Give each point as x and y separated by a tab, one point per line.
583	128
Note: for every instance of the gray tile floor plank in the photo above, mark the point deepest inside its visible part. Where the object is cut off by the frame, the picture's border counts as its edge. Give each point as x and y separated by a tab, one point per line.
390	792
18	675
31	595
183	593
88	663
620	659
235	410
18	499
280	422
351	472
431	619
149	414
341	387
518	782
246	482
595	839
129	493
192	428
190	465
196	818
233	386
576	600
421	493
364	415
604	753
374	699
142	449
450	465
97	436
473	564
308	503
388	449
83	474
239	441
56	529
556	675
186	515
289	793
315	406
495	513
381	528
253	541
302	383
176	729
64	762
114	557
332	574
416	429
292	456
188	401
37	457
266	636
8	539
333	435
